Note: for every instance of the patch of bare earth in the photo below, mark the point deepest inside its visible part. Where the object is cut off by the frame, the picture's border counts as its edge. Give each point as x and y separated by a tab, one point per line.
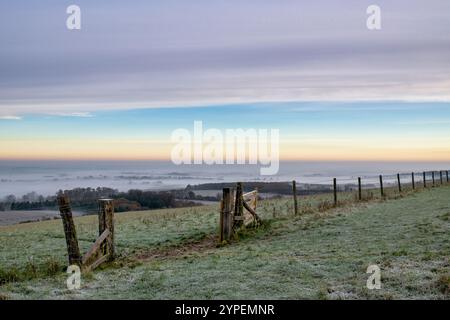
200	246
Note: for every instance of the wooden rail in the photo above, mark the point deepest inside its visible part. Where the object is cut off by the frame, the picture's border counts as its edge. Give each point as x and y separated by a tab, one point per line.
103	249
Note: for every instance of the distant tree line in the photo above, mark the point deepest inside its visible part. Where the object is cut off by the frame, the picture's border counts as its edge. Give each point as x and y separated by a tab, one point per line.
188	194
86	200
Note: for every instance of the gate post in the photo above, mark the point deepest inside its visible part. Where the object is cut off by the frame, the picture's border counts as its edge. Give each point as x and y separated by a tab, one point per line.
69	230
238	206
106	221
226	216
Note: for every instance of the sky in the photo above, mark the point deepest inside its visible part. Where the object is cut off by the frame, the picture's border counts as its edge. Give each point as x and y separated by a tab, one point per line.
138	70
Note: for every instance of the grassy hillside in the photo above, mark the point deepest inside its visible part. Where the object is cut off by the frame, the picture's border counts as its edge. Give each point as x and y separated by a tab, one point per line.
322	253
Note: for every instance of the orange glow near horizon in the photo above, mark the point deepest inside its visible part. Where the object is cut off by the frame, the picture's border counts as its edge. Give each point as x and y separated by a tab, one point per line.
314	150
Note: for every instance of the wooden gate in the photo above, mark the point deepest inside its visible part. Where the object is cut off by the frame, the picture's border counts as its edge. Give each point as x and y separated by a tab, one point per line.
103	248
237	210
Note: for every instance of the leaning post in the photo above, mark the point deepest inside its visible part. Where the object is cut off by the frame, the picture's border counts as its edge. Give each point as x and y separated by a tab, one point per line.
399	183
381	186
413	181
69	230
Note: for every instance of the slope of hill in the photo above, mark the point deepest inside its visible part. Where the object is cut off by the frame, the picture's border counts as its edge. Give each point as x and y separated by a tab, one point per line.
321	254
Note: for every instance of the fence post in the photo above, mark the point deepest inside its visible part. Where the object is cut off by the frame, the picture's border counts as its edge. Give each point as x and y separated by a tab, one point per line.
335	191
238	206
381	186
294	192
399	183
226	196
221	219
413	181
432	176
359	189
69	230
442	179
228	213
424	179
106	221
446	172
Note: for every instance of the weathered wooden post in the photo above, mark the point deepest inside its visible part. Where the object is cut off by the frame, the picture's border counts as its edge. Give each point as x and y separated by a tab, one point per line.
335	191
226	228
221	219
413	181
399	183
106	221
441	176
69	230
424	179
294	193
432	176
359	189
239	206
381	186
446	172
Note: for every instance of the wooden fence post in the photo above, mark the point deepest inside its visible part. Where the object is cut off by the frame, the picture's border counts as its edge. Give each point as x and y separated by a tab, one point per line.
381	186
432	176
442	179
106	221
446	172
294	193
69	230
413	181
221	219
238	206
399	183
335	191
424	179
226	215
359	189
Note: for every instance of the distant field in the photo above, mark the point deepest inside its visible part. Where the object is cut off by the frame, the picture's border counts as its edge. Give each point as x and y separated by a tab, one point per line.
321	254
21	216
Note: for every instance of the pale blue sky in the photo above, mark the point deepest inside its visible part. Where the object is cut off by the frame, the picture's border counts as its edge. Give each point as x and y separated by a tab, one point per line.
140	54
309	68
297	119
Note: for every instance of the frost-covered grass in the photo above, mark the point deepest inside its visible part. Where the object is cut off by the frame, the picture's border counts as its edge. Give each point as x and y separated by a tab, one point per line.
321	254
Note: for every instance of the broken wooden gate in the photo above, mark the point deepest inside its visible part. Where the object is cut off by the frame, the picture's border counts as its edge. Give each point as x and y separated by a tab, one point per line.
103	248
237	210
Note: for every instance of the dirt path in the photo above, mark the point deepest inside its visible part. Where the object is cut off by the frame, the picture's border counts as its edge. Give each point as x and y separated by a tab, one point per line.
207	243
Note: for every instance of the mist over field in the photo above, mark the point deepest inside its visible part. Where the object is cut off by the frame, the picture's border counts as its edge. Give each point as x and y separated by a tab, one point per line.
47	177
